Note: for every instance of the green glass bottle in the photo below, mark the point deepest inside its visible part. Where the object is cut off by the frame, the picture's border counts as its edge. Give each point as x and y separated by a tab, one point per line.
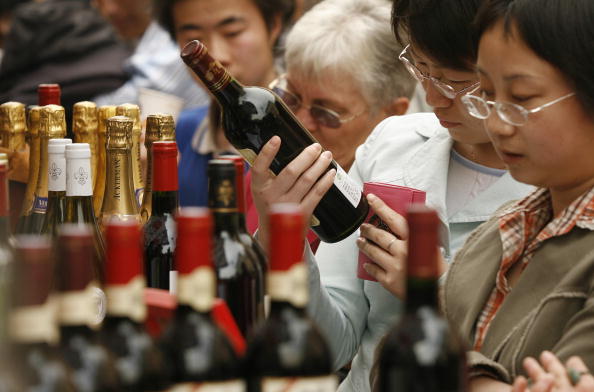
56	186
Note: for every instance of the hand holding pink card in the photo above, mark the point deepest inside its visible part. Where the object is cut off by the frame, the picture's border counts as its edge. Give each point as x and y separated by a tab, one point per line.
397	198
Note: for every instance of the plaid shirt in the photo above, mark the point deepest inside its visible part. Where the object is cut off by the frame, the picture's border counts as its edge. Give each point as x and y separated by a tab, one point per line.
523	229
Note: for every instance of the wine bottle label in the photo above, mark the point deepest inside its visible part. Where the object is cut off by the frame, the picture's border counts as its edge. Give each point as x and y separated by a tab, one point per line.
40	205
349	188
82	307
224	386
224	199
79	181
289	286
300	384
31	324
56	173
127	300
197	289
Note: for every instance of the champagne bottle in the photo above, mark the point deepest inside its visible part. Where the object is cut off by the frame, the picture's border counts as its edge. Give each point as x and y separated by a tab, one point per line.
288	352
6	251
158	127
244	235
239	275
80	305
32	137
49	94
421	353
33	327
12	125
85	125
52	125
119	199
133	111
79	200
251	116
56	186
192	337
160	231
103	113
138	361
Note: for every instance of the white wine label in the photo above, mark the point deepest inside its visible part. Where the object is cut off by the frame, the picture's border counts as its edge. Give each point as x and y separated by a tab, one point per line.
56	181
79	307
197	289
127	300
40	205
300	384
32	324
79	181
173	282
349	188
223	386
289	286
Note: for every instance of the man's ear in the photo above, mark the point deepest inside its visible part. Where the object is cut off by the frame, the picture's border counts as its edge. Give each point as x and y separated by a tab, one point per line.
275	29
397	107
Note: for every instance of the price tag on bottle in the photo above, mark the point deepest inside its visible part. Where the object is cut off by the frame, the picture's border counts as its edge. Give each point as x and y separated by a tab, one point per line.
349	188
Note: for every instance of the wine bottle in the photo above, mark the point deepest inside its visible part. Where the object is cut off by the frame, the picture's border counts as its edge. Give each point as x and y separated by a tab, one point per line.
12	125
244	235
251	116
103	113
193	338
79	200
32	137
288	352
52	125
421	353
81	307
85	125
33	328
119	199
49	94
138	361
56	186
158	127
160	231
133	111
6	251
239	275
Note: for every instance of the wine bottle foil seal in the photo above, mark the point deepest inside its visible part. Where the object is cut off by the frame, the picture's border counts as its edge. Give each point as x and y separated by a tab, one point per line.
33	115
84	120
215	75
131	111
119	132
52	122
12	125
103	114
159	127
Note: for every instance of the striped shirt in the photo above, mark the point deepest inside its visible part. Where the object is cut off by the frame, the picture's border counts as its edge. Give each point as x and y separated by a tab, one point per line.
523	229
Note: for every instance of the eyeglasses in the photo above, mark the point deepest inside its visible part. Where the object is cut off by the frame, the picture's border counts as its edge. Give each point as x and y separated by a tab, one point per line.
321	115
445	89
511	113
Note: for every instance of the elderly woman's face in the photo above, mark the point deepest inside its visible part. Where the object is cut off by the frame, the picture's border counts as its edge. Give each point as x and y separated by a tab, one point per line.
341	95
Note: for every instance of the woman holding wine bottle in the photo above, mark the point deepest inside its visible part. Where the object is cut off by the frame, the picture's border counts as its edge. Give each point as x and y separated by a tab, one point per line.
241	34
446	154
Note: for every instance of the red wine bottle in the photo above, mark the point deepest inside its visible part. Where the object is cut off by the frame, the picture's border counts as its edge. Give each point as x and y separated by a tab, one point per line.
288	352
159	230
138	361
239	276
81	306
251	116
49	94
56	186
421	353
197	352
33	328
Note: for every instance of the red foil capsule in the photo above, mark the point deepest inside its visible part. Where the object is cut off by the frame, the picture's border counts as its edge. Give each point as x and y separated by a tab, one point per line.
123	261
287	236
165	166
194	239
49	94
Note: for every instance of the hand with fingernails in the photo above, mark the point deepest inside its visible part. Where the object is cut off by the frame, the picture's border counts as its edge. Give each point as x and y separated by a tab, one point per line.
550	375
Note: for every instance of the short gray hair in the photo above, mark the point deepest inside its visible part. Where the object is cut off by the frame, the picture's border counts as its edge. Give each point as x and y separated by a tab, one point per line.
353	37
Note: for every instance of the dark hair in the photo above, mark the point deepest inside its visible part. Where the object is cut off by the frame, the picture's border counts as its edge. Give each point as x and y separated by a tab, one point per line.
269	9
560	32
440	28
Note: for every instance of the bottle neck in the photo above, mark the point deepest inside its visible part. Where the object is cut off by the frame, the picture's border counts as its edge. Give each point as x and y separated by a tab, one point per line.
226	221
421	292
80	180
229	94
119	186
164	202
5	233
42	176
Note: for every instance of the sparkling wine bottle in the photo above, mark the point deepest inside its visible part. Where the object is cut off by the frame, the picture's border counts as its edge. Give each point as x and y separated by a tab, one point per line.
81	307
85	126
138	361
288	353
32	137
193	338
159	127
421	353
133	111
103	113
56	186
79	200
52	125
251	116
239	276
160	230
12	126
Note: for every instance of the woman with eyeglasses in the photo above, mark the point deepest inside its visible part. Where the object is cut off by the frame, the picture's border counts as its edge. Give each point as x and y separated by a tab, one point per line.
446	154
327	83
530	268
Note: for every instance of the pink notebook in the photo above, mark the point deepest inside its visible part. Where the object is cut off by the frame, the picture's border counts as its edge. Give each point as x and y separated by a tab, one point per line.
396	197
